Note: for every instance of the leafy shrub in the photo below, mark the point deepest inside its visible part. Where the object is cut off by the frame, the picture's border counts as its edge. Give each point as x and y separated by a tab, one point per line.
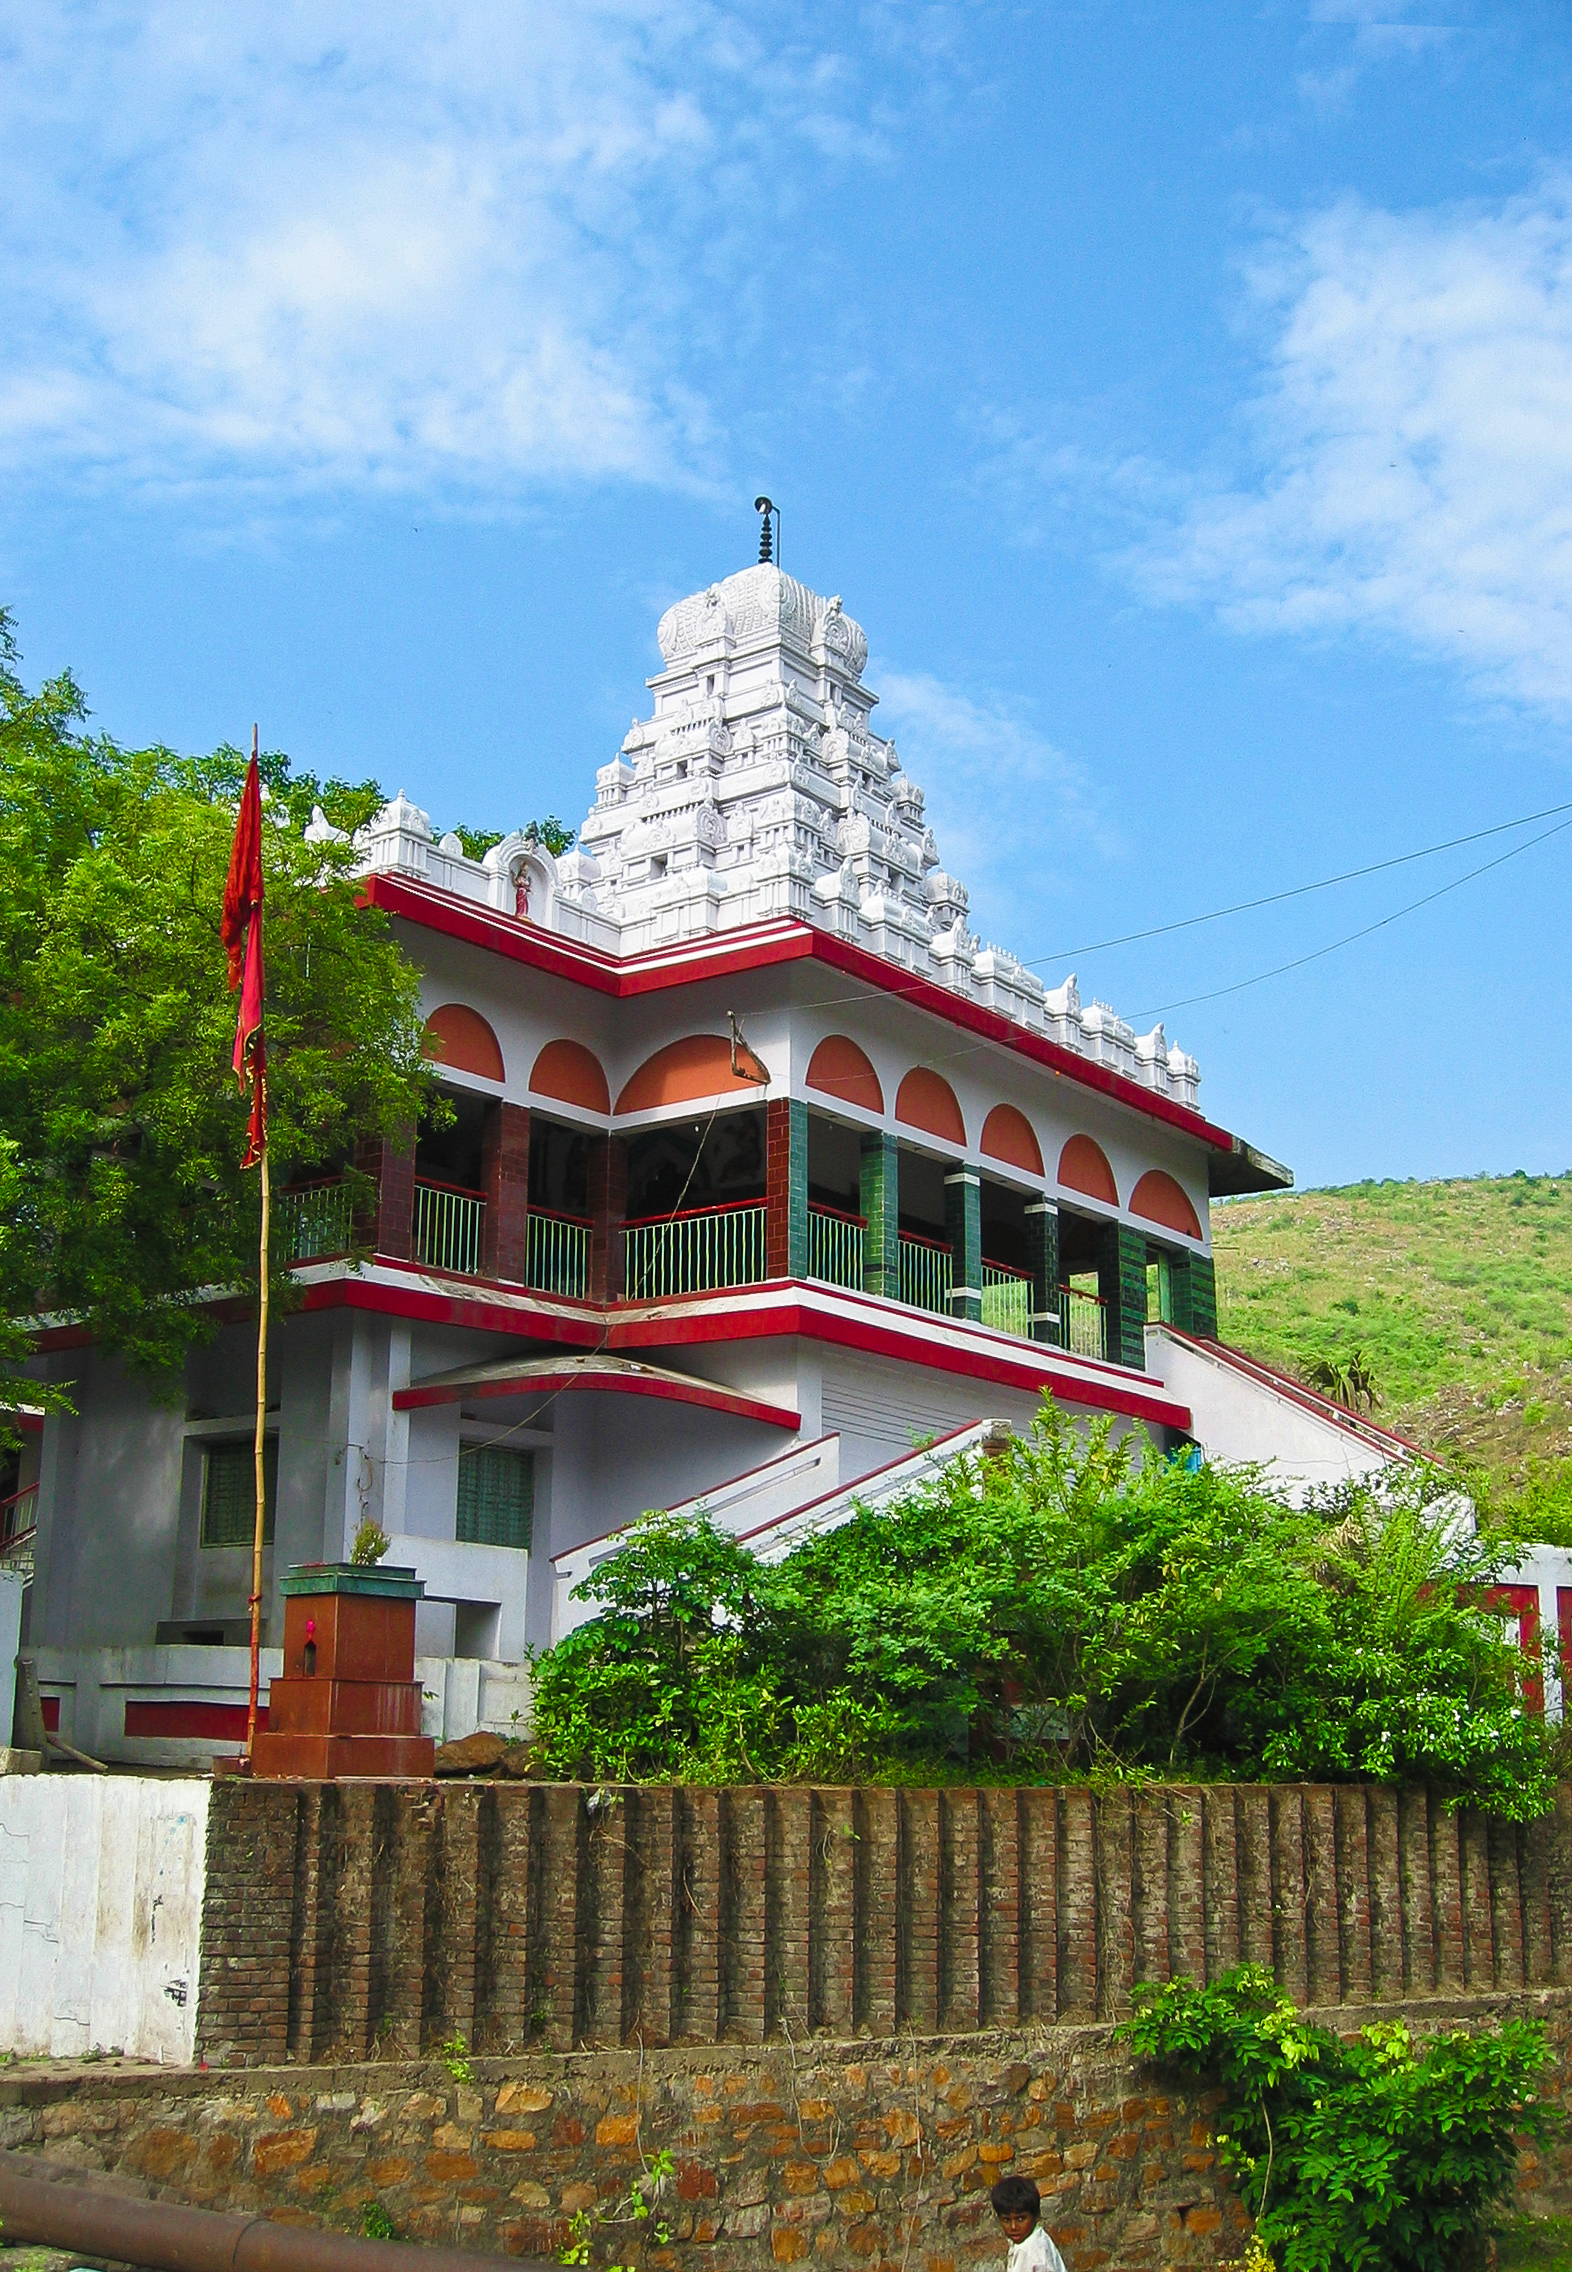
371	1543
1055	1608
1374	2155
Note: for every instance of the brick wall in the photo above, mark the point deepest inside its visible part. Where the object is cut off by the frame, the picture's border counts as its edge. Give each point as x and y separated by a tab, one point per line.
341	1918
504	1178
850	2157
786	1188
388	1226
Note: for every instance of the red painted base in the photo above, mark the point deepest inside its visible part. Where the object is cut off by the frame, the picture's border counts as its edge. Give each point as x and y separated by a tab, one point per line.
320	1758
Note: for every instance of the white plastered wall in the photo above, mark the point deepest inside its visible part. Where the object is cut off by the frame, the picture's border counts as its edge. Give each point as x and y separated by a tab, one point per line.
101	1884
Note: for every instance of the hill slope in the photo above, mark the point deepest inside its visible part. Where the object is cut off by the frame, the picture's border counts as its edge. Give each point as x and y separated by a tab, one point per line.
1459	1295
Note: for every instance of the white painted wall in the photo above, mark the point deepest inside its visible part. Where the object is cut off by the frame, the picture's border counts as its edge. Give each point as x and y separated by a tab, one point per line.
1238	1415
101	1883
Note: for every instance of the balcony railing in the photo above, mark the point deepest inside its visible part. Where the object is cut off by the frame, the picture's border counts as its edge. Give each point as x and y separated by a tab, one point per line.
18	1518
835	1247
557	1252
927	1273
1083	1323
1007	1299
312	1220
448	1227
693	1252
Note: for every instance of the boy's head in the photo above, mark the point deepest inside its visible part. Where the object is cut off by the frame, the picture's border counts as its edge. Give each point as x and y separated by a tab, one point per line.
1017	2204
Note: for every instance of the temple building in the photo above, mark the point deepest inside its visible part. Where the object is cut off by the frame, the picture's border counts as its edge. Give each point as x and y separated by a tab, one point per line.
764	1175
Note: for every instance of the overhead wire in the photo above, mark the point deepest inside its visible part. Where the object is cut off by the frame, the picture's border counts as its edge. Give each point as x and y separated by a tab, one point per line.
865	991
1365	931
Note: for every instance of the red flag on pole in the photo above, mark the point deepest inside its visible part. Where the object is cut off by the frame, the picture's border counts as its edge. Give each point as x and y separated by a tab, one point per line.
241	932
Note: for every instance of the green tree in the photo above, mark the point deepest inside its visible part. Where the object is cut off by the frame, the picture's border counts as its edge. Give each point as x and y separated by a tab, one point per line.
126	1203
1367	2155
1060	1606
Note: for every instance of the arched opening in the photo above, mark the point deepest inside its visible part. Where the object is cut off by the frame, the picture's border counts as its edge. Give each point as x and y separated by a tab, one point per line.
926	1100
840	1069
1009	1136
573	1075
1083	1166
1161	1199
697	1066
459	1037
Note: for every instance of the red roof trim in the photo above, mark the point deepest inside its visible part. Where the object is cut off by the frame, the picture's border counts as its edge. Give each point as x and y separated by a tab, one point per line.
703	1393
795	1312
485	1310
739	1315
756	946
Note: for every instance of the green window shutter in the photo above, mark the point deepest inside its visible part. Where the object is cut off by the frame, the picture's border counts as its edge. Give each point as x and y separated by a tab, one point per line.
229	1493
496	1496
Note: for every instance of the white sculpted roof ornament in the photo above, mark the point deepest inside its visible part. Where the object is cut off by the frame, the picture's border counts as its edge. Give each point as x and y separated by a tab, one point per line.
758	789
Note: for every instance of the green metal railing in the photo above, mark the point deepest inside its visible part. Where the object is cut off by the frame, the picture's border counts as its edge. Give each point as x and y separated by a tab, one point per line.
927	1274
1083	1323
448	1227
1007	1299
312	1220
693	1252
835	1247
556	1253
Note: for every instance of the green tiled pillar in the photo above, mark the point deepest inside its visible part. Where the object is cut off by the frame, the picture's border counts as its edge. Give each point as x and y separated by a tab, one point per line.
1121	1284
963	1229
1042	1260
881	1209
1203	1297
1180	1312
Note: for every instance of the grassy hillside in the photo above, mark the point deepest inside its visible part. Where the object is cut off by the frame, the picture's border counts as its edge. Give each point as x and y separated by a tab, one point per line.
1459	1295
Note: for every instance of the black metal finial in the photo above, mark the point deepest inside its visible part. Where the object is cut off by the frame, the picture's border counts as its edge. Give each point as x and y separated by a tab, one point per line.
769	530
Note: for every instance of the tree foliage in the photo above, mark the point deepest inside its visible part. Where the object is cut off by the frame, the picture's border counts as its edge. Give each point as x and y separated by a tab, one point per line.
1370	2155
1059	1607
124	1202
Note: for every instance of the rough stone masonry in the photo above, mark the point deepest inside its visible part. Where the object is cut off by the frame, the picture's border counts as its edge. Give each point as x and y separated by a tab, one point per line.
853	2157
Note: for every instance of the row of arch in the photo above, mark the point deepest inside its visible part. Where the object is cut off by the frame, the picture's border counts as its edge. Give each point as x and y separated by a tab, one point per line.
701	1065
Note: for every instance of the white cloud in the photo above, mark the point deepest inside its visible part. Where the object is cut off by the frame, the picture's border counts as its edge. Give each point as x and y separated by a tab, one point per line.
1001	797
1406	464
1356	36
328	245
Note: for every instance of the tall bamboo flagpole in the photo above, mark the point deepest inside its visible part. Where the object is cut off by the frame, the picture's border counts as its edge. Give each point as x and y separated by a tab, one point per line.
261	1521
241	931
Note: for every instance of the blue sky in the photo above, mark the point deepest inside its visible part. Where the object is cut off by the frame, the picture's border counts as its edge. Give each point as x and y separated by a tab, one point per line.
1180	397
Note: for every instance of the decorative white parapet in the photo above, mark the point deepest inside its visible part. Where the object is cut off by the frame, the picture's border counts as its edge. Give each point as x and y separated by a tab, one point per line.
758	790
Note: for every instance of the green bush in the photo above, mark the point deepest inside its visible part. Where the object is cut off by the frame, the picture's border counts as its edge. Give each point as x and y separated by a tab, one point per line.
1374	2155
1058	1608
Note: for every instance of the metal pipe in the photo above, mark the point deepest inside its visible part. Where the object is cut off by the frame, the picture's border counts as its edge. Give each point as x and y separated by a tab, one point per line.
44	2204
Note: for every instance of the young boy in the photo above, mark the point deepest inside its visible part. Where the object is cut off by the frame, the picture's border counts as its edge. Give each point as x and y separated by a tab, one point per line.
1017	2204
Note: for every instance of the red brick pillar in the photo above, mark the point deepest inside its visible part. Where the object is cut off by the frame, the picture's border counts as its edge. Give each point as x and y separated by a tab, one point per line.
388	1225
504	1178
608	1205
786	1188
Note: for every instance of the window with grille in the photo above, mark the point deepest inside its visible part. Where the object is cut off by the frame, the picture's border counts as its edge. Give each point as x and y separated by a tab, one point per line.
229	1492
496	1496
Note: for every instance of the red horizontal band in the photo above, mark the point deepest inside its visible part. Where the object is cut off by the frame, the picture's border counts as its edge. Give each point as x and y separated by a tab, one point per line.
754	947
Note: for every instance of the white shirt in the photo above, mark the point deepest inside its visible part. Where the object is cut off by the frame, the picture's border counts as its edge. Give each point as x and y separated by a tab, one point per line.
1036	2253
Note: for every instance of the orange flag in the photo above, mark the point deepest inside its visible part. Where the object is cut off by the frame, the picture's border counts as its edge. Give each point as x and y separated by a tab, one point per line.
241	931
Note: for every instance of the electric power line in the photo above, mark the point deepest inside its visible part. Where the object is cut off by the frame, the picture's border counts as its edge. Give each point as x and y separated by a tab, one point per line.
1316	953
1300	891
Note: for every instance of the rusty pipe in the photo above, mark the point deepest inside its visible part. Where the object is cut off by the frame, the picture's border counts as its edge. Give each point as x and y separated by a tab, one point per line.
45	2204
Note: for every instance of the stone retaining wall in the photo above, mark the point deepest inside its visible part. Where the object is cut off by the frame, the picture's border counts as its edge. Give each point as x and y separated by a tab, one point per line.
340	1919
845	2157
